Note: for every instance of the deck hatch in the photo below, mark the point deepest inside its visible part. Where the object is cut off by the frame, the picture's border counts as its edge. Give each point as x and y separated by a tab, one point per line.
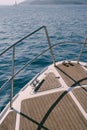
50	82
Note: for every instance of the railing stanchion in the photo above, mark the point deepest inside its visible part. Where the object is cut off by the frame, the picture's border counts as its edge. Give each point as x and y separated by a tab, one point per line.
84	44
51	51
12	83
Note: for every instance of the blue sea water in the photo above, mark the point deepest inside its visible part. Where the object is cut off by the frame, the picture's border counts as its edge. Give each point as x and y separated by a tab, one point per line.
64	23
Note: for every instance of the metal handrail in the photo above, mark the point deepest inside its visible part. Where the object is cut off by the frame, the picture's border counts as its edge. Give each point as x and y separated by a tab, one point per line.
22	40
30	34
31	61
84	44
13	57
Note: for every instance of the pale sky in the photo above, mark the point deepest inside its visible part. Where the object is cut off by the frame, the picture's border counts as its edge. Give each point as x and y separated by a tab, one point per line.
10	2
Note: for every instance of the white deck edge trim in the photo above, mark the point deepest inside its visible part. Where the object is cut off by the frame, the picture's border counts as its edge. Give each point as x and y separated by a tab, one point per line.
17	125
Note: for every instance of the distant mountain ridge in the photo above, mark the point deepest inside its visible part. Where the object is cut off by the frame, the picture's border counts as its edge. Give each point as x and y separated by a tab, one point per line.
45	2
59	2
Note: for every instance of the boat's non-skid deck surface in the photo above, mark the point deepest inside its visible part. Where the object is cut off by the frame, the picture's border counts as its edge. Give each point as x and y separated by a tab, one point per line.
9	122
55	111
81	95
50	82
73	74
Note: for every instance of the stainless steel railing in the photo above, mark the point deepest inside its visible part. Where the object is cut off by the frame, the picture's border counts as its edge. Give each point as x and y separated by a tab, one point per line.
80	55
13	58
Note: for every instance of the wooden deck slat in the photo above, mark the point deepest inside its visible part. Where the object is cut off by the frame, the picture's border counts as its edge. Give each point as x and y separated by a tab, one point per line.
50	82
81	95
9	122
59	110
73	74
